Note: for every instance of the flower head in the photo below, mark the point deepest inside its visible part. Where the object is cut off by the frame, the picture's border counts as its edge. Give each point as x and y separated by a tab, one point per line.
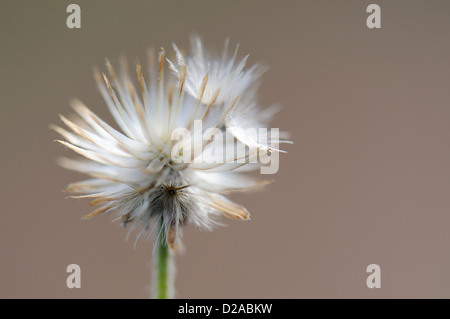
142	171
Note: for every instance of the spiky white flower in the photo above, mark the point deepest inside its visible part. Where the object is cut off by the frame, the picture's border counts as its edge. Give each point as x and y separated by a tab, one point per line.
227	80
134	169
226	76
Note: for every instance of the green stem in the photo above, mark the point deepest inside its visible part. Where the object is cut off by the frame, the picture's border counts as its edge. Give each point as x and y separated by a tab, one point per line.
163	271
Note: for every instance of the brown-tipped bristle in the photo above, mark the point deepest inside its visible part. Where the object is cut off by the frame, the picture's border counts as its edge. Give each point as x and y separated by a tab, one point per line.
76	128
125	219
131	91
140	77
170	94
110	69
97	212
203	85
136	104
216	95
110	90
100	200
182	78
161	63
79	187
108	84
230	209
182	187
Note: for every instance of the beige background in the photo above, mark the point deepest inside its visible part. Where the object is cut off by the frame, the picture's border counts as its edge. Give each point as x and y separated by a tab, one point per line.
367	180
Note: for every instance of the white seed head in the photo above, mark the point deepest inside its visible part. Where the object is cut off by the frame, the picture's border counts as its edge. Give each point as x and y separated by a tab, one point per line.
145	175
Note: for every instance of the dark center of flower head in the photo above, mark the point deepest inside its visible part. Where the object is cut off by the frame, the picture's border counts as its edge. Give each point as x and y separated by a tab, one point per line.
173	189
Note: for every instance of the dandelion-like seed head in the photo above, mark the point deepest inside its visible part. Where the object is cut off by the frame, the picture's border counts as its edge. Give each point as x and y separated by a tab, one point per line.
153	180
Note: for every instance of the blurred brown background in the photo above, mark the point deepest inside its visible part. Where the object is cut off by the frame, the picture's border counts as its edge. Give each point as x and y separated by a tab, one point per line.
367	180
